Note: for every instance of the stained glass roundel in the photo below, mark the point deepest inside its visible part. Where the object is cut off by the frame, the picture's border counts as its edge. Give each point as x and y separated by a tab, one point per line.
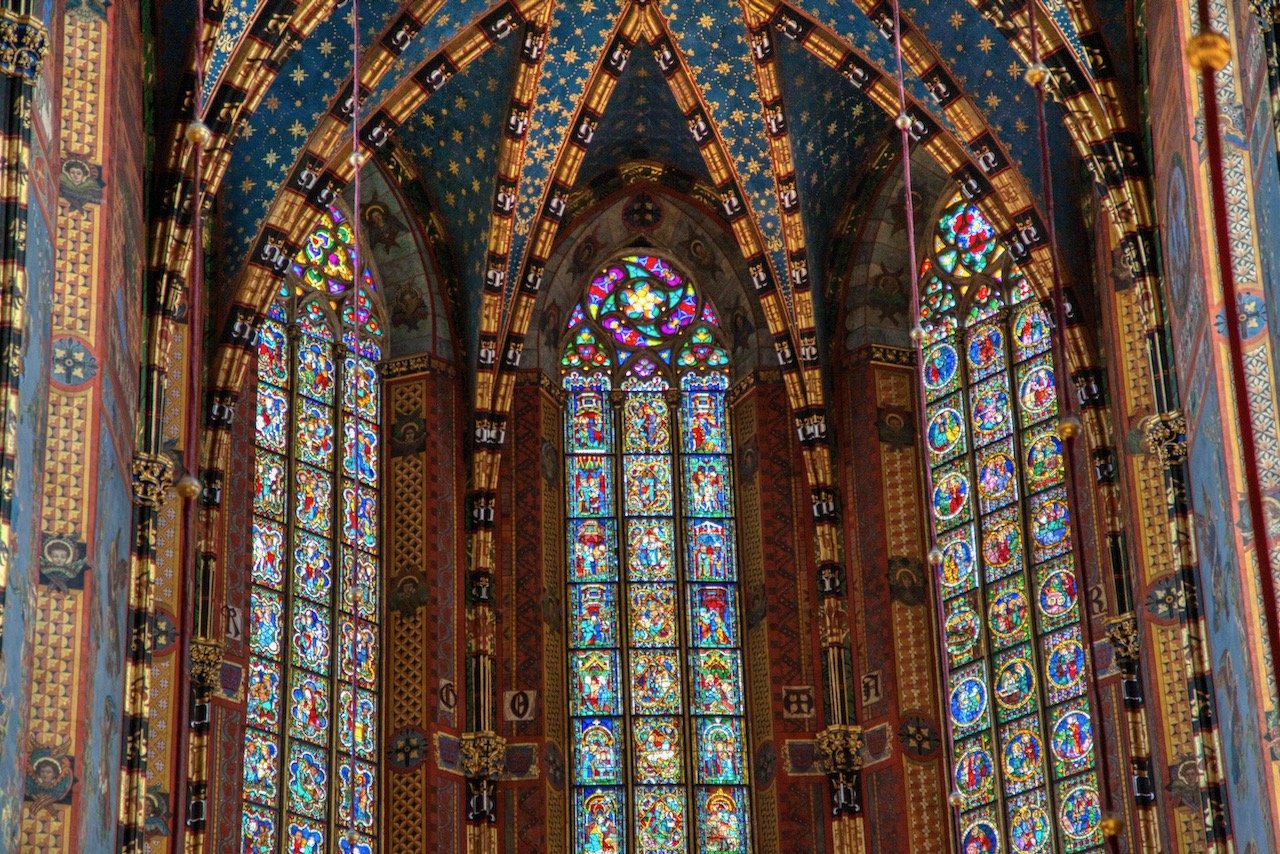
641	301
326	260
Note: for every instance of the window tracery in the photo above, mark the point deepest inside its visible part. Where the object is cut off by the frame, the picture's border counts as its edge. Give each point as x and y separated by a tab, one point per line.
310	756
657	718
1023	758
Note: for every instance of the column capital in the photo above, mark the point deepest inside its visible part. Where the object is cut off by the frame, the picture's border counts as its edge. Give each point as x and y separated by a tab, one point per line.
23	42
1122	632
151	474
839	749
484	754
1165	435
206	661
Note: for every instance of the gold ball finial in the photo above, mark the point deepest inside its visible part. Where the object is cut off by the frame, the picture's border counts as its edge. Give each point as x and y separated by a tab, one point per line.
1111	825
1036	74
1069	426
935	557
188	486
902	122
1208	50
917	334
956	798
198	133
359	157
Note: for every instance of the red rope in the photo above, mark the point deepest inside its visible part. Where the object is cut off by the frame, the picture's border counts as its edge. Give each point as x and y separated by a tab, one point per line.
192	584
917	334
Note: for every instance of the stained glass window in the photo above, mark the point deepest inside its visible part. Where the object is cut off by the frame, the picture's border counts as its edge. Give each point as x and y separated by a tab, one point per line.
310	755
657	720
1022	727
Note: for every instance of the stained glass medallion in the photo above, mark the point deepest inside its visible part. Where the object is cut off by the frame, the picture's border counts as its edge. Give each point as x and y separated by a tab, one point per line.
1022	739
652	595
974	774
258	831
313	630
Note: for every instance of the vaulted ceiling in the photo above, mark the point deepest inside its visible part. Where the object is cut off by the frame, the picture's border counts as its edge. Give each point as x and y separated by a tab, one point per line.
489	115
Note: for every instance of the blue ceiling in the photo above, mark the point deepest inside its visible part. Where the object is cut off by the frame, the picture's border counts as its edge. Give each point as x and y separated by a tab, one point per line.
306	87
455	136
642	122
453	142
834	127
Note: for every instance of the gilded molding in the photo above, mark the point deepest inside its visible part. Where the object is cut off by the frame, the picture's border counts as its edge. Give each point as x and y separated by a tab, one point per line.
151	476
839	749
23	43
1122	631
637	172
206	661
423	363
1165	435
483	755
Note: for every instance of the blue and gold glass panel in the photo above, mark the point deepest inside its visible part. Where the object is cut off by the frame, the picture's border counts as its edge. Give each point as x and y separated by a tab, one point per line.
657	724
1022	740
311	743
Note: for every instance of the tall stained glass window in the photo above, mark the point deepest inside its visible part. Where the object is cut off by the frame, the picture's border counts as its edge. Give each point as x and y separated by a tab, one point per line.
657	727
1022	731
311	739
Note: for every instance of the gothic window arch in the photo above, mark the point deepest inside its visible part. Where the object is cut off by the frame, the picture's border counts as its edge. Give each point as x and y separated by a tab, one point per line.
658	732
311	748
1023	761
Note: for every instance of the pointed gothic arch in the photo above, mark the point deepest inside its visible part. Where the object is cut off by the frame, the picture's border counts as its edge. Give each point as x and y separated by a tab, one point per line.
311	755
657	702
1024	754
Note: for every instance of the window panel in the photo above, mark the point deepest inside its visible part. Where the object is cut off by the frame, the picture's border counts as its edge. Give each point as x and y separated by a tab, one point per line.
313	633
1022	746
655	666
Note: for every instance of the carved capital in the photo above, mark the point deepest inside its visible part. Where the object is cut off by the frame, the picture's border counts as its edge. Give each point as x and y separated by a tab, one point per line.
839	749
151	475
1122	631
1166	436
484	754
206	661
23	43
